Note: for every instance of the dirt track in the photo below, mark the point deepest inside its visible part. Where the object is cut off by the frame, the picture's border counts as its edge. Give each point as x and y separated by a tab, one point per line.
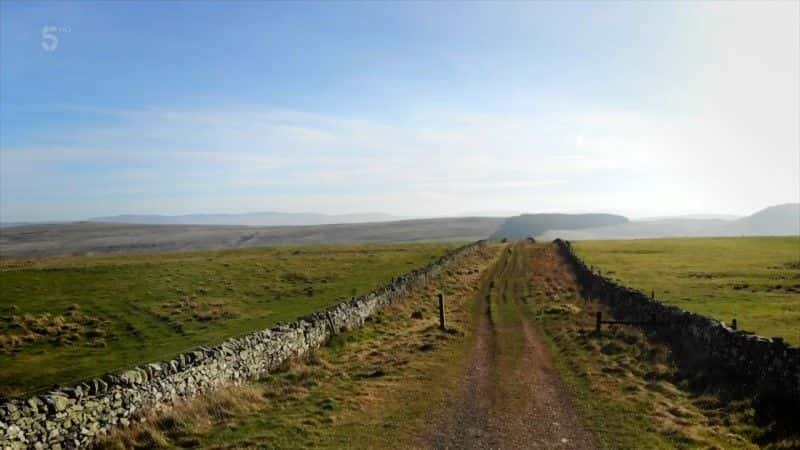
510	395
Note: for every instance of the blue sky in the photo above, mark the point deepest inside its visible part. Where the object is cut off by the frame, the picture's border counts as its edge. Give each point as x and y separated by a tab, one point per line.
413	109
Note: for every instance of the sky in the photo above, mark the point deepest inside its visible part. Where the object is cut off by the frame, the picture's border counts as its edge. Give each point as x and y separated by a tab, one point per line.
411	109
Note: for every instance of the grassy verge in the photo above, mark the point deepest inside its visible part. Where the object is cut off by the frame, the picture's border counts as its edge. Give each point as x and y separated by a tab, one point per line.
754	280
625	385
64	319
374	387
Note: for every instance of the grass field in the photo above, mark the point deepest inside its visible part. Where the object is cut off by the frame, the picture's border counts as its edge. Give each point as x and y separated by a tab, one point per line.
373	387
755	280
384	385
64	319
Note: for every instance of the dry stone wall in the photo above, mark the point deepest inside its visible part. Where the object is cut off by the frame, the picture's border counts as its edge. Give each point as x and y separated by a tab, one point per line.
72	417
770	367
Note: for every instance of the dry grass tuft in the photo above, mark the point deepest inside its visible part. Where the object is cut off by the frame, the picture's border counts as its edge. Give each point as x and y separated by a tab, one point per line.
165	429
564	308
69	328
191	308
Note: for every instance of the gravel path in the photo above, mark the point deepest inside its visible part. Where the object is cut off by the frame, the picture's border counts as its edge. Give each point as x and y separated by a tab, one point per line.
510	395
468	423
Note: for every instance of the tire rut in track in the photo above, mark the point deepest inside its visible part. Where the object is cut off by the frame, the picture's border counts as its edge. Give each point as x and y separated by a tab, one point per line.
467	424
510	395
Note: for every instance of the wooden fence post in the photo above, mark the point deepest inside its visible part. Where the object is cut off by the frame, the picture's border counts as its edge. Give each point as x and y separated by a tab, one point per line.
733	324
441	311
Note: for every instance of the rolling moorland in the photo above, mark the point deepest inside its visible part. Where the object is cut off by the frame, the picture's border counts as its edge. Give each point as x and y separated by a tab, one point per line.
171	233
66	319
474	383
250	219
87	238
63	319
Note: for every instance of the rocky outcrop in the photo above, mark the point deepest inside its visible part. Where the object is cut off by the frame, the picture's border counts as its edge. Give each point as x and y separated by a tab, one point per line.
770	367
72	417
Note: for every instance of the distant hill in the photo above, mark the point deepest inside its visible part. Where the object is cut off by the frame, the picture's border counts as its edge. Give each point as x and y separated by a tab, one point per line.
87	238
12	224
647	229
526	225
101	236
780	220
268	218
775	220
692	217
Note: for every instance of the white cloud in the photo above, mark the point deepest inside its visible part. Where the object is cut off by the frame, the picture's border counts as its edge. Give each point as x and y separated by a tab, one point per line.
724	136
293	160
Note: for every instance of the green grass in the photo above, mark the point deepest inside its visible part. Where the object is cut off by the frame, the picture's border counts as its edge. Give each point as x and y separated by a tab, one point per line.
755	280
623	383
376	386
65	319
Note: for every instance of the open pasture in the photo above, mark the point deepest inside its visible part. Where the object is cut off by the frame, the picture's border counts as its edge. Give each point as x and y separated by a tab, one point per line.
754	280
65	319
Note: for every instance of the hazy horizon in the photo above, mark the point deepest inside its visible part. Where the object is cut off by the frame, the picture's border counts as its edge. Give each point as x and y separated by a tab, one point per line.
375	216
408	109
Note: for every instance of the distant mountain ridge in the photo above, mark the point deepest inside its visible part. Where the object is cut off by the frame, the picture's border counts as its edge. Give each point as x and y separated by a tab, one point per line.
166	232
691	217
528	225
778	220
267	218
